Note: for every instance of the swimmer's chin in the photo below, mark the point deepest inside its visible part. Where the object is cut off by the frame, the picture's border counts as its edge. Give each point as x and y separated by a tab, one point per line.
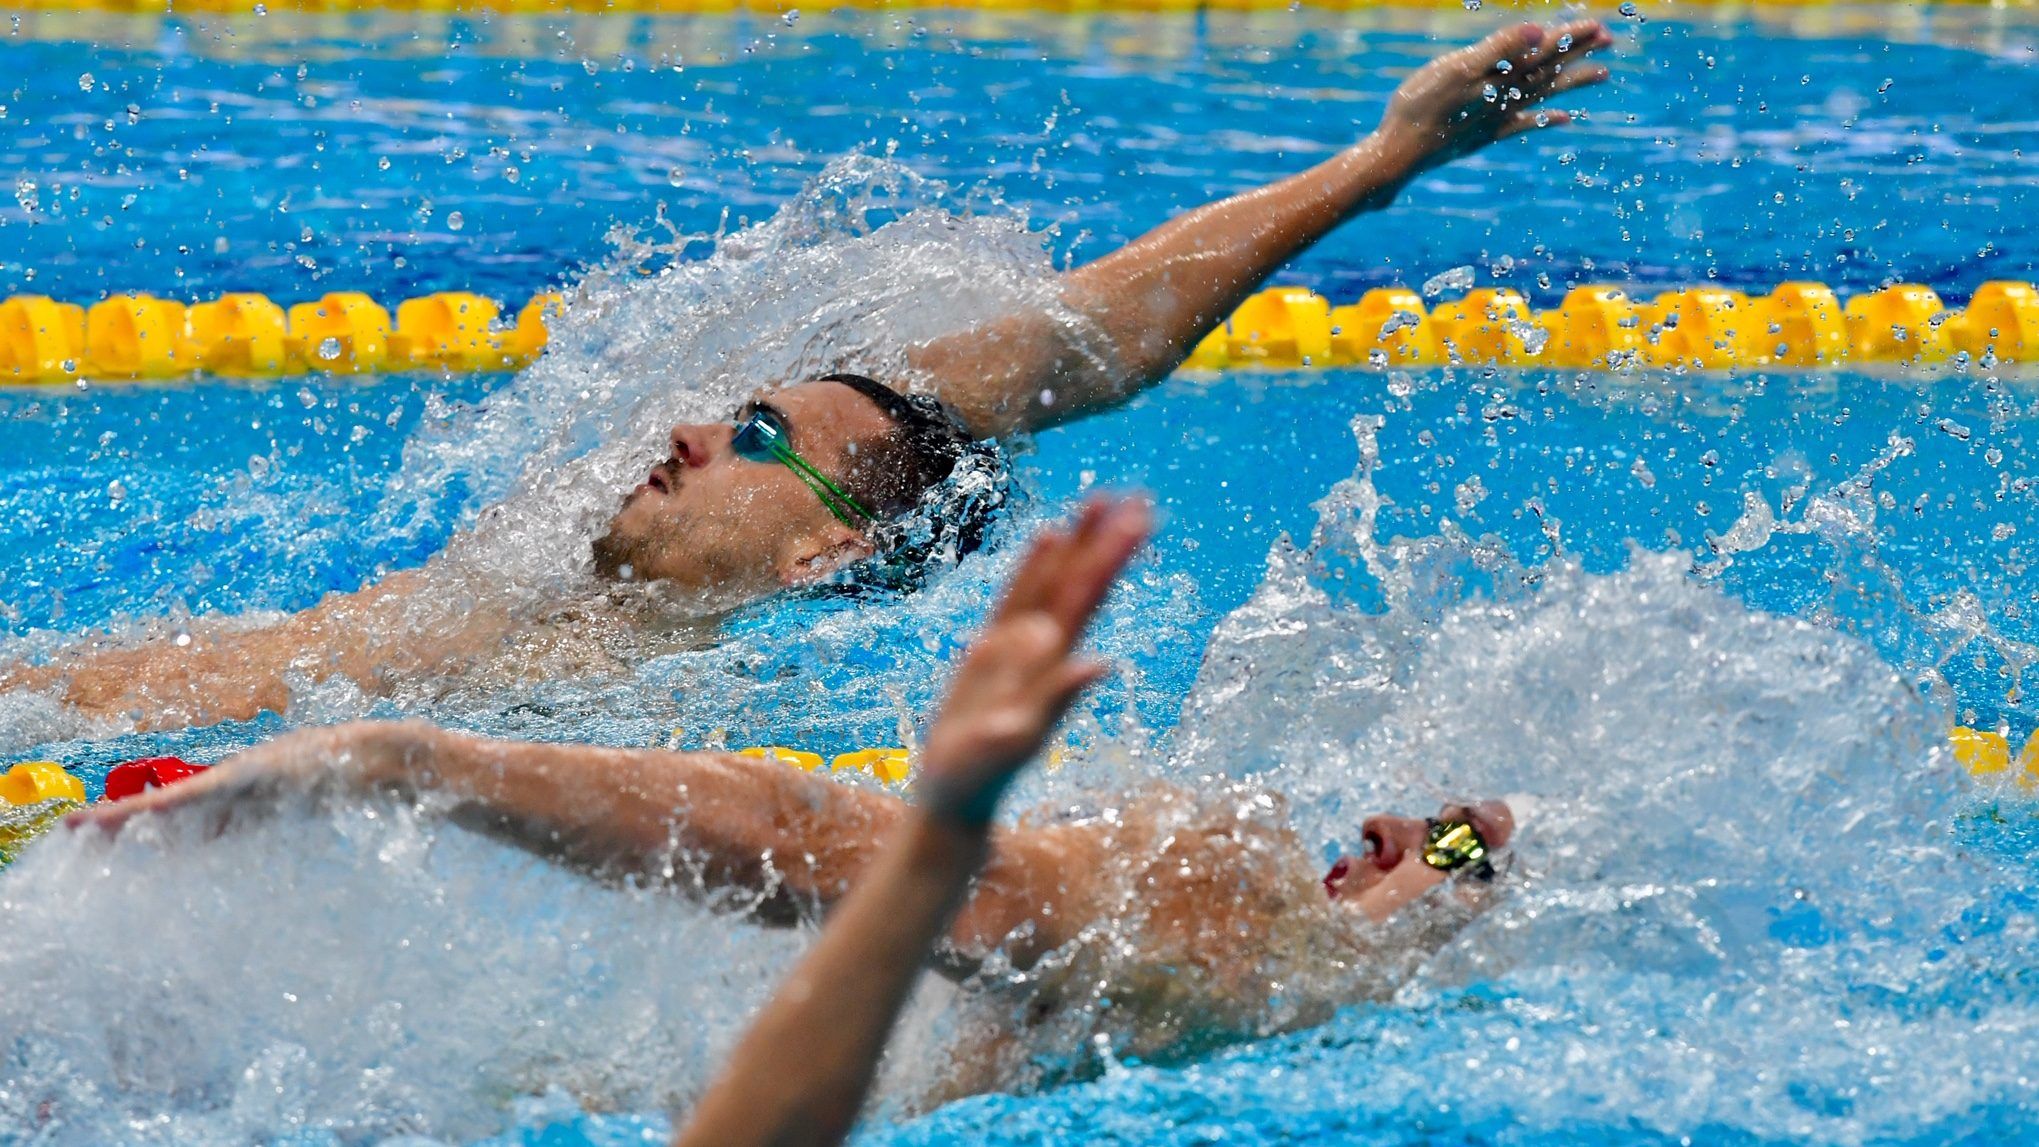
618	562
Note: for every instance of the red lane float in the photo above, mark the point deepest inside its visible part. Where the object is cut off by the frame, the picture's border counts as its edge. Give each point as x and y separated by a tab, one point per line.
136	777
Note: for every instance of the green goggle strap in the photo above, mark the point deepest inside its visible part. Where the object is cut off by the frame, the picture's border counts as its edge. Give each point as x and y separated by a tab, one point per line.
836	498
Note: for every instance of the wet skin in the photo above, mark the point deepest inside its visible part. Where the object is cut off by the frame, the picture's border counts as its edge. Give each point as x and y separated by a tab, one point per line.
1391	870
705	518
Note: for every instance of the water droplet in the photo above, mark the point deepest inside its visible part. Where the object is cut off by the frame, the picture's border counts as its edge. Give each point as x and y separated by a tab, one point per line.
1400	320
676	177
1627	9
791	17
1471	5
329	349
1565	42
1504	67
383	163
182	639
455	221
1456	279
1490	93
116	492
85	82
2003	531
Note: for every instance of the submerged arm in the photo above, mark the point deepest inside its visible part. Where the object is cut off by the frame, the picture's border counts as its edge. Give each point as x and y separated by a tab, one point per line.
1151	300
788	841
388	629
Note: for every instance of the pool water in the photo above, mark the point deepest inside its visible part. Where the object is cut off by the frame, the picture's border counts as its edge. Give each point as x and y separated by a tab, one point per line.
1709	631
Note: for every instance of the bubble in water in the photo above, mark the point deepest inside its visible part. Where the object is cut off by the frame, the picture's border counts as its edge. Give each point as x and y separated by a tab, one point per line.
382	164
676	177
329	349
1456	279
1401	320
25	194
1533	337
85	82
455	221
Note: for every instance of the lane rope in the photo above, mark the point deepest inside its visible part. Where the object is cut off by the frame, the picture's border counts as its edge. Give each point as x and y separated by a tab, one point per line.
1796	326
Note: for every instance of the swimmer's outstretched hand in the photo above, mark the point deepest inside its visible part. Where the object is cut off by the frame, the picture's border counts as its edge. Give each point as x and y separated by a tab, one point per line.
1022	673
1461	102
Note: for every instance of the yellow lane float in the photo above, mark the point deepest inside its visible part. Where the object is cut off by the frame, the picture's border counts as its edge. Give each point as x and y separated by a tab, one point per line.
33	782
1797	326
888	765
139	337
22	823
1986	754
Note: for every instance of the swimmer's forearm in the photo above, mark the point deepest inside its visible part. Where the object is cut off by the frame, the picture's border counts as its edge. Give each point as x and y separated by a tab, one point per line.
801	1073
1155	297
719	820
214	675
1144	306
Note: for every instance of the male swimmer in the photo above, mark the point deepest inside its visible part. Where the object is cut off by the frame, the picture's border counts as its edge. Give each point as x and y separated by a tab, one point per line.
1166	922
803	481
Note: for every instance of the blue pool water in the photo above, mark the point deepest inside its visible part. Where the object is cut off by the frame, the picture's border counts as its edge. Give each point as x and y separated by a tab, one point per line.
1711	630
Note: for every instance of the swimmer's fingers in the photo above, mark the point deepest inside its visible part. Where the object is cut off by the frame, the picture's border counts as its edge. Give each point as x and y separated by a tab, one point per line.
1555	82
1067	573
1097	556
1533	120
1033	583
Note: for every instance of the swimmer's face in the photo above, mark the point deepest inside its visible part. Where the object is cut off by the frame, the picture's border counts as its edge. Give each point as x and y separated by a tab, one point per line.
1390	870
706	519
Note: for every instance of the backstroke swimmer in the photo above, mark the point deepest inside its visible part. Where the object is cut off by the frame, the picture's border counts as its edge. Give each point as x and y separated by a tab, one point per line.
1167	922
810	478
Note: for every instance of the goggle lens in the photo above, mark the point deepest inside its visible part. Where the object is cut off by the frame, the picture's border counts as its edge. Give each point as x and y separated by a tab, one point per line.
758	437
1452	845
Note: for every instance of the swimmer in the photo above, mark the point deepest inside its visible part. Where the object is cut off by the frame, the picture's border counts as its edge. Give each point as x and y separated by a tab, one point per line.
804	480
1163	921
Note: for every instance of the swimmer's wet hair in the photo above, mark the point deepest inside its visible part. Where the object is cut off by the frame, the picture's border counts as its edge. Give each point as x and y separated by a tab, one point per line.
934	485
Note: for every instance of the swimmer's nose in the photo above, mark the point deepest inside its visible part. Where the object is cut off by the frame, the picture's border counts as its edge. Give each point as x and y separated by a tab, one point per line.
694	444
1387	839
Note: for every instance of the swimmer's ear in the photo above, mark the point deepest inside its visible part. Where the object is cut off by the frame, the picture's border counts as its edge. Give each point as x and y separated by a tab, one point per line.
820	554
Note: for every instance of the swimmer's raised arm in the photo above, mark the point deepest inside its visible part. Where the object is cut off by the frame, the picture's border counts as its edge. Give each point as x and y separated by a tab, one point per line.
799	1077
1154	298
